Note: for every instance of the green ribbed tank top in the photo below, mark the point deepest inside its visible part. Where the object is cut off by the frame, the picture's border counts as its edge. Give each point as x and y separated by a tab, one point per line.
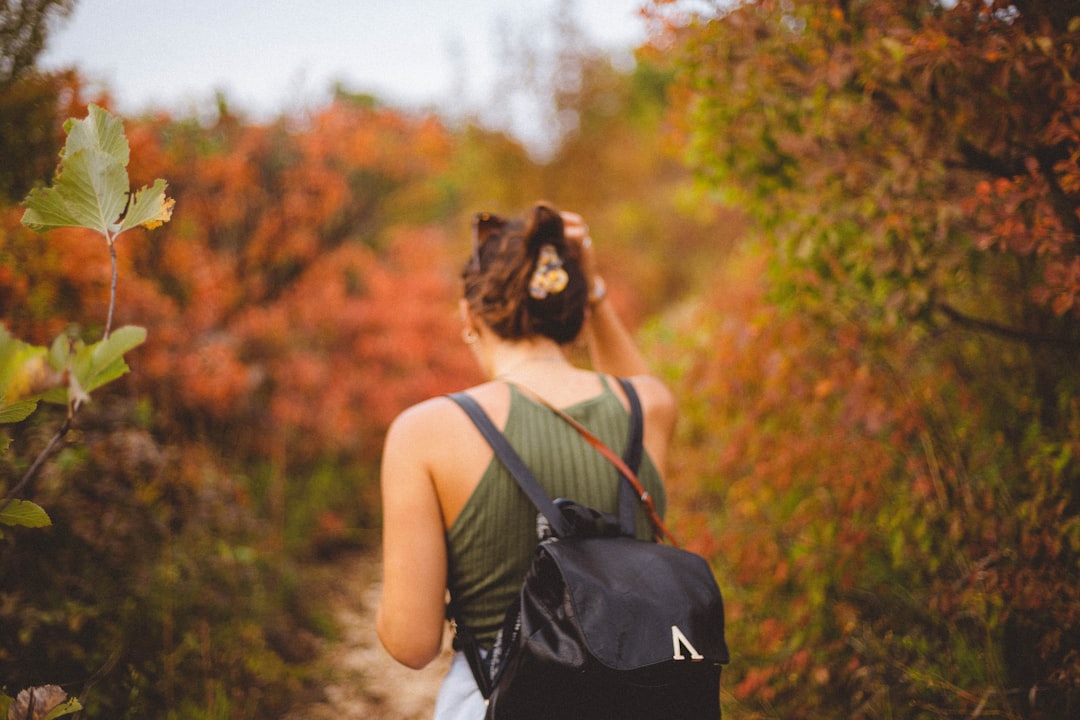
491	542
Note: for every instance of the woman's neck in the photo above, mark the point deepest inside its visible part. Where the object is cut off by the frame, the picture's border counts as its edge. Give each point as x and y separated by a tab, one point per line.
526	356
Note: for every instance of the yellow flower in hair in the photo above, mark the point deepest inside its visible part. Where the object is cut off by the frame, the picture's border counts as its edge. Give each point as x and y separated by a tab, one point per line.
549	278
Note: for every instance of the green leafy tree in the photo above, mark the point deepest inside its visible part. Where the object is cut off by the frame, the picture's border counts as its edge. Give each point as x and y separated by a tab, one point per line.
911	170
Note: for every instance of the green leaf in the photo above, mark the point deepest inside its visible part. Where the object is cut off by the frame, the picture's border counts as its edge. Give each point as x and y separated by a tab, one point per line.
107	356
25	514
91	366
90	189
99	130
89	192
13	354
17	411
25	374
67	708
61	350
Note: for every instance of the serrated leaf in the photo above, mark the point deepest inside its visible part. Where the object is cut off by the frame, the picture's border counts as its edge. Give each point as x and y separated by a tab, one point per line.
98	130
148	207
47	208
91	186
89	192
25	514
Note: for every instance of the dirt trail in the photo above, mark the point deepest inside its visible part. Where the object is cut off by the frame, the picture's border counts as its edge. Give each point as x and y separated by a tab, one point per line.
363	682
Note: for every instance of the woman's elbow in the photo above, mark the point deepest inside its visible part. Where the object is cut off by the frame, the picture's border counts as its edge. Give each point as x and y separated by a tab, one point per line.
407	644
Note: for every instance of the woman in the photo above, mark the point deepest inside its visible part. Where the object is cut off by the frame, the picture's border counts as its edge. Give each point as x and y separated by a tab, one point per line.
452	517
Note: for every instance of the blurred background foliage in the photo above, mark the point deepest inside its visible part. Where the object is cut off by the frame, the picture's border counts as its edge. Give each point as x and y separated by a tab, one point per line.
847	231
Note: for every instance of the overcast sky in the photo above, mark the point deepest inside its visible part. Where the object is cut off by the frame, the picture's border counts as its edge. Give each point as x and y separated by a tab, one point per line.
269	56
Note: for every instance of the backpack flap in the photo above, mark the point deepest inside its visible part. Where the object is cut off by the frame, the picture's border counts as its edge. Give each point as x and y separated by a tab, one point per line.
630	604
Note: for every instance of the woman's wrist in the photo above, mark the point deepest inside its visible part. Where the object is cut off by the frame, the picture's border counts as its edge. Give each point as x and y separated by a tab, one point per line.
598	291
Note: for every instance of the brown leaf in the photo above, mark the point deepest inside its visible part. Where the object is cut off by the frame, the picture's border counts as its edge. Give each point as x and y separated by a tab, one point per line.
37	702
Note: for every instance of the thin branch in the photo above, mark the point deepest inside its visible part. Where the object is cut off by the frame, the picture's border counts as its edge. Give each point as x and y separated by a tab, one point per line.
112	287
1003	331
982	161
32	470
1064	208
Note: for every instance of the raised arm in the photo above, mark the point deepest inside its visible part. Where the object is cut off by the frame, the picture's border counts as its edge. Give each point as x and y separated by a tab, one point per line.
613	350
611	347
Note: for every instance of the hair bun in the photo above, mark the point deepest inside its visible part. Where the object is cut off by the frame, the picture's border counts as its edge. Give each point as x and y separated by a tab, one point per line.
545	227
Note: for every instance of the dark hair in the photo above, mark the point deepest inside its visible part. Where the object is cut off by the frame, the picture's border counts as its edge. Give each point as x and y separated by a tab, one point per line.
498	275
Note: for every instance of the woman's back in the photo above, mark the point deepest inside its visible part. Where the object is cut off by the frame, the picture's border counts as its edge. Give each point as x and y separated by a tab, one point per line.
492	539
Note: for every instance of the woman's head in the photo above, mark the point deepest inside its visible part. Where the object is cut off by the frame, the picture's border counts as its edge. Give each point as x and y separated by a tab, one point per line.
524	278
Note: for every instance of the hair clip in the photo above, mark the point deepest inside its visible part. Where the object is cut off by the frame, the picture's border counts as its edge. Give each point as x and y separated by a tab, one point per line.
549	278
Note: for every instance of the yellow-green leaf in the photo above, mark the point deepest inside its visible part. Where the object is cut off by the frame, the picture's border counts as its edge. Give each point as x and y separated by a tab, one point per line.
91	186
148	207
66	708
25	514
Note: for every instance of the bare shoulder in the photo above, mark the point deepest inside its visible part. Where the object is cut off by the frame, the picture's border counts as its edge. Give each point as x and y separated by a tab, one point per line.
417	425
423	415
414	420
654	394
429	429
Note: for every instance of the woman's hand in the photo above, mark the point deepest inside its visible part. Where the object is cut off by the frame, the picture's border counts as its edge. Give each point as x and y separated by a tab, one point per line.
577	232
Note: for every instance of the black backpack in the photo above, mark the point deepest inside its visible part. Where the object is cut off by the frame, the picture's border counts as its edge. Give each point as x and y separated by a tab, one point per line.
606	625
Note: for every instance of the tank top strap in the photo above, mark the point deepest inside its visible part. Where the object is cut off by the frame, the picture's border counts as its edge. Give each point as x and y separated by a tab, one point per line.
605	383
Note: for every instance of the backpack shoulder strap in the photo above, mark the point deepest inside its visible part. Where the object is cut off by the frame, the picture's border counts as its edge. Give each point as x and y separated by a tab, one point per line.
464	640
513	462
628	501
659	529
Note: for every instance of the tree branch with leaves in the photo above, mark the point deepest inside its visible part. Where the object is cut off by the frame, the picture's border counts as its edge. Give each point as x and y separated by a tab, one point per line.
90	190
